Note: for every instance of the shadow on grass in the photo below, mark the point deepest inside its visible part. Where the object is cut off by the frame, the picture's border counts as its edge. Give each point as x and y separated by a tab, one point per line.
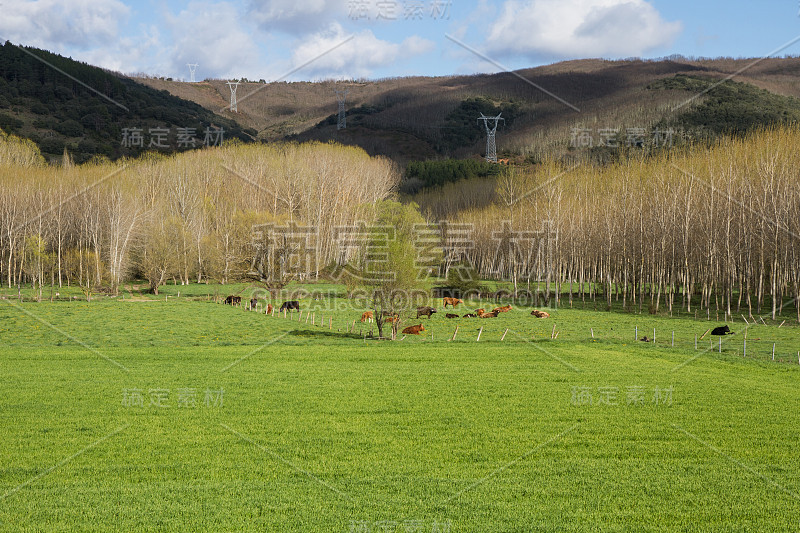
310	333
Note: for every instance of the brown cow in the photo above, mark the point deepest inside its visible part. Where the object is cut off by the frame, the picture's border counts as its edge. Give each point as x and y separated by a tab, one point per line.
480	311
540	314
269	309
503	309
493	314
390	319
451	301
470	315
451	315
413	330
366	316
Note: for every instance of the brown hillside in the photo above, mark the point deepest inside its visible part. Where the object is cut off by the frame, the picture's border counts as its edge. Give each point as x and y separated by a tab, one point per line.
411	112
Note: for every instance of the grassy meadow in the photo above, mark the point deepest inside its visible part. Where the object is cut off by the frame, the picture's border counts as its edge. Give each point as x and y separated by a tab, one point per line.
176	413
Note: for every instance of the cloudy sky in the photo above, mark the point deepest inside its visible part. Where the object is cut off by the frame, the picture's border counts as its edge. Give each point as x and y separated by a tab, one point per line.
316	39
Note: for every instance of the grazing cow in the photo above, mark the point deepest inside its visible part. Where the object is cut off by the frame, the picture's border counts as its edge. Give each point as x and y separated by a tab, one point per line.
493	314
451	315
413	330
366	316
269	309
540	314
427	311
470	315
289	305
503	309
480	311
722	330
233	300
390	319
451	301
253	303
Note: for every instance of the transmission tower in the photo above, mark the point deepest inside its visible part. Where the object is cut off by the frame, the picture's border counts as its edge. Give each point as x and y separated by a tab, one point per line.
192	68
341	96
491	147
233	85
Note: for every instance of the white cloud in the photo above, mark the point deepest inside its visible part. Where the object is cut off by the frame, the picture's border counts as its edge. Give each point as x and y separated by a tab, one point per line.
357	57
60	24
296	16
215	36
547	29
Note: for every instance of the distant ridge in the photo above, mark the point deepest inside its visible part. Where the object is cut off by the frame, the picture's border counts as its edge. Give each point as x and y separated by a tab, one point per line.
417	118
60	103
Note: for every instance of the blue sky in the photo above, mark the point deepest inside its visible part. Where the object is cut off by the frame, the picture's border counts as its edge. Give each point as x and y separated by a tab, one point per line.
343	39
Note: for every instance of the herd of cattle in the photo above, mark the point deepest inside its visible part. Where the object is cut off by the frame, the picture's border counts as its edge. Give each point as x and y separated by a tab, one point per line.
391	317
427	311
288	305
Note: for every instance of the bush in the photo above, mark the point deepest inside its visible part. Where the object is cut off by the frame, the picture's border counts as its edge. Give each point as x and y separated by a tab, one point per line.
52	145
70	128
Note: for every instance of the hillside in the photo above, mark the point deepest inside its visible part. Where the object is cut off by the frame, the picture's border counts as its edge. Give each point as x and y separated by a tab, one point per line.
423	118
60	103
592	103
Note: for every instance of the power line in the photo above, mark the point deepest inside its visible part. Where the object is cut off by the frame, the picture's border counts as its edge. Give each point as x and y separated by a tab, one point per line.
233	85
491	146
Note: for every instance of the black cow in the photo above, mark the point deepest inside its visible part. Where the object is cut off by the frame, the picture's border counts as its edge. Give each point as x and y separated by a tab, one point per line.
233	300
253	303
427	311
722	330
288	306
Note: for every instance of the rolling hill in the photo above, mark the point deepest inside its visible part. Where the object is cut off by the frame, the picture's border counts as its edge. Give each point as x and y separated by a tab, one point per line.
571	110
420	118
63	104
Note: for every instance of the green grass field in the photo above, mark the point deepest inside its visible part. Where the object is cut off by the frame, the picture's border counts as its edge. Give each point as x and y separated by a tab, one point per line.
179	414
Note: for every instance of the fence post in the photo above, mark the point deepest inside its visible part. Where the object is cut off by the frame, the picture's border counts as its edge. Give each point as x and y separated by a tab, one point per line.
506	331
773	351
744	348
454	334
590	329
479	334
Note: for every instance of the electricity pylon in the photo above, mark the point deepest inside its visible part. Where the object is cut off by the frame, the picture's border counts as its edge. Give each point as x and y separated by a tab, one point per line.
491	146
192	68
341	96
233	85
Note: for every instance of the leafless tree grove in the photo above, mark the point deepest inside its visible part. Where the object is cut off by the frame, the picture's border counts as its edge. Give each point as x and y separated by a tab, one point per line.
721	224
186	218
